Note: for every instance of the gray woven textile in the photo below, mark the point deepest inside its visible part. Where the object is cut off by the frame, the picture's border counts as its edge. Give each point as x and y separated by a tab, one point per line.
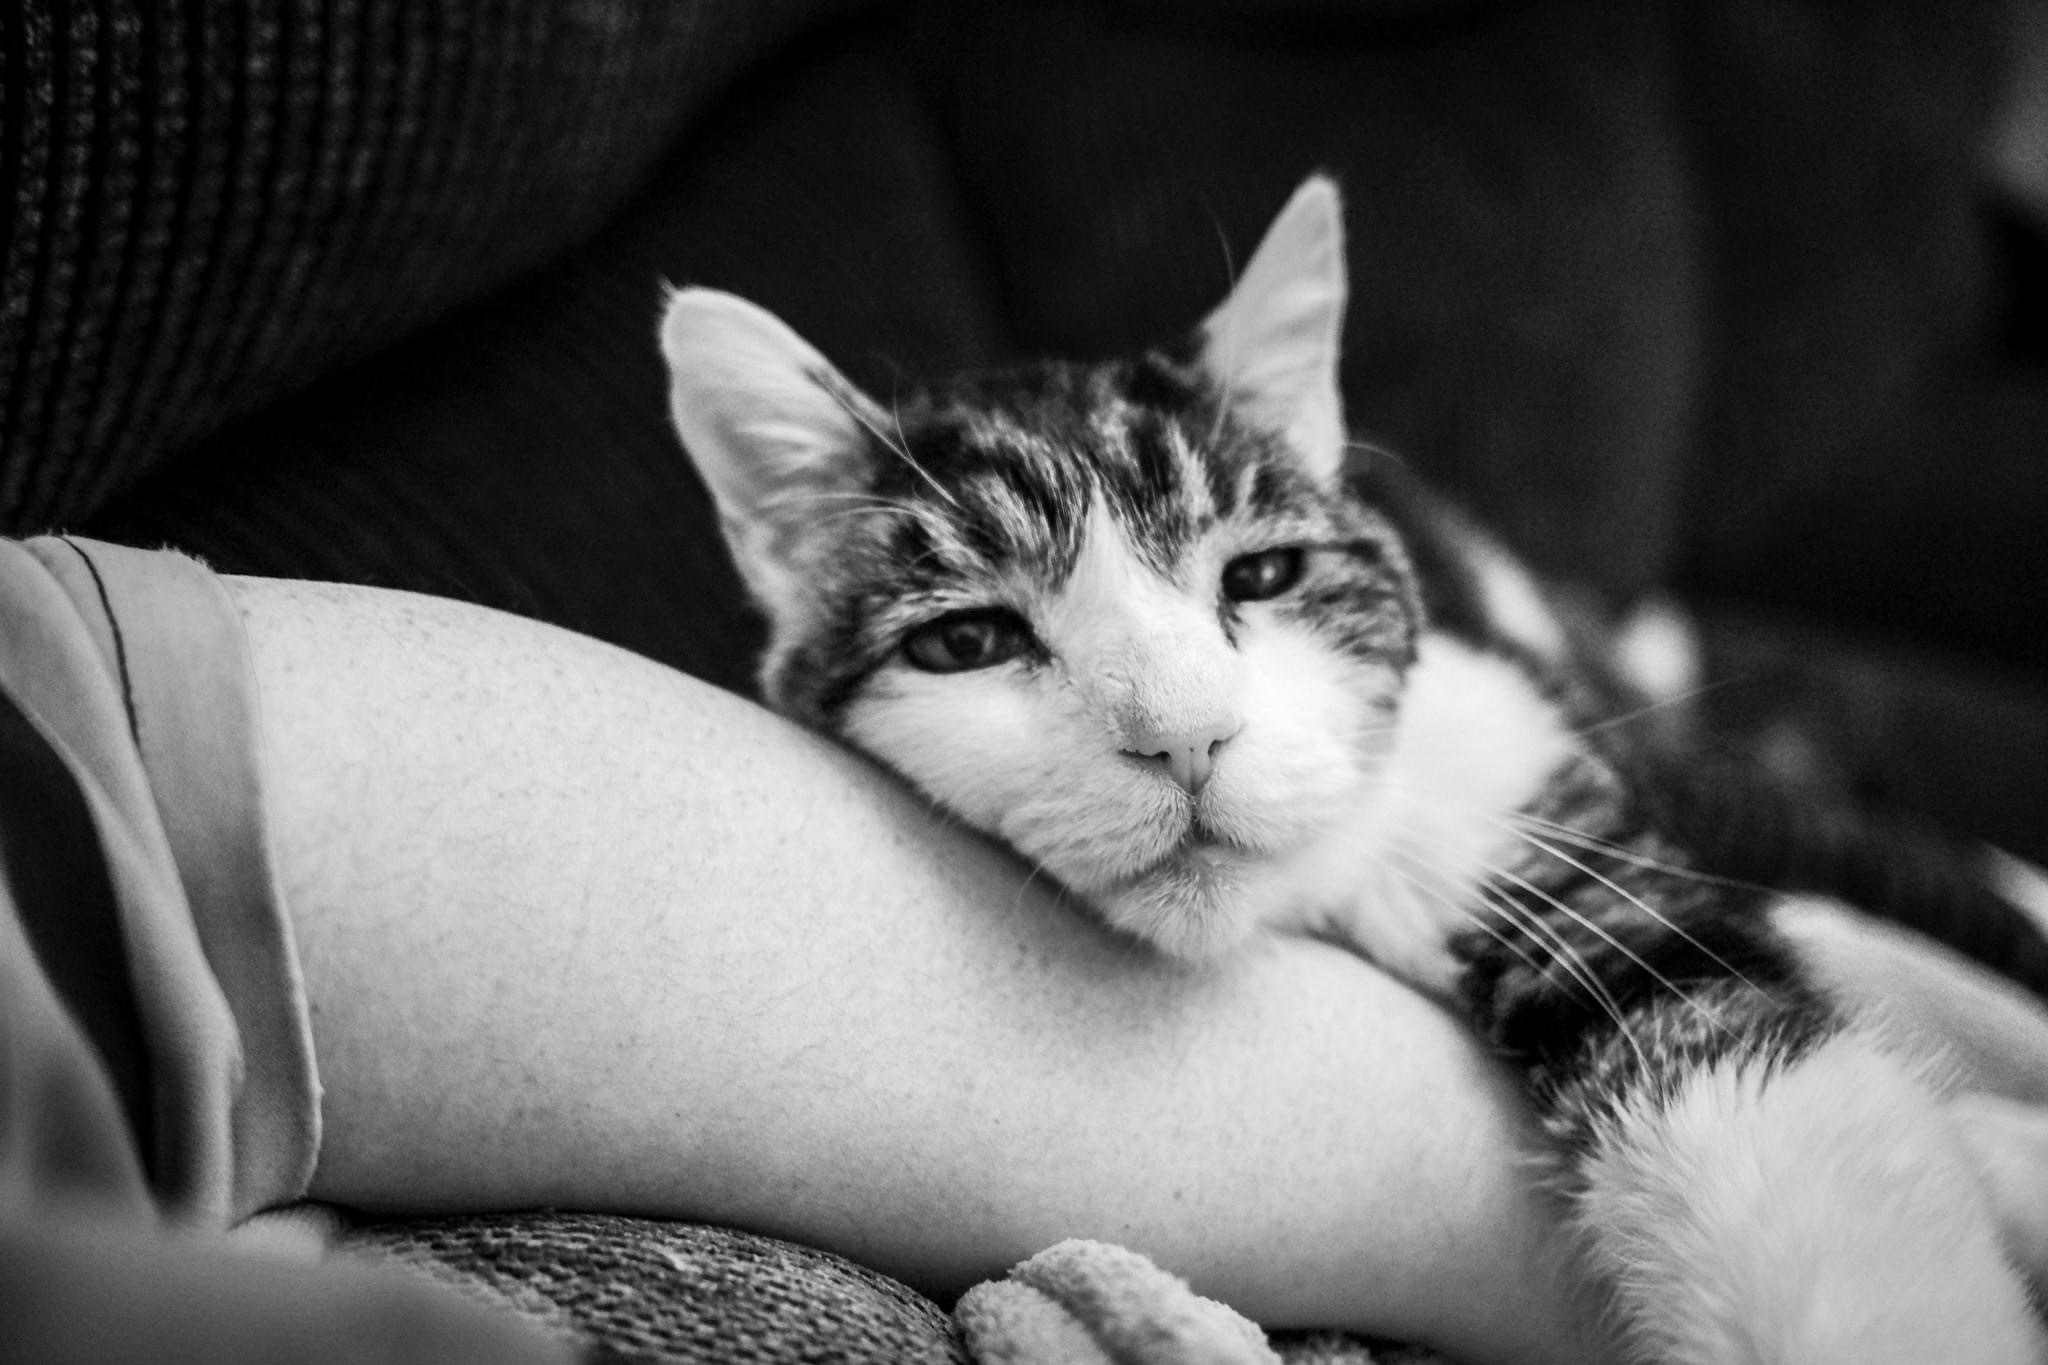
638	1289
647	1290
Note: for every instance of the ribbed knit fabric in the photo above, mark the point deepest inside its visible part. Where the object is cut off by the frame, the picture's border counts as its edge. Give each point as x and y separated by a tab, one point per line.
518	452
646	1290
203	205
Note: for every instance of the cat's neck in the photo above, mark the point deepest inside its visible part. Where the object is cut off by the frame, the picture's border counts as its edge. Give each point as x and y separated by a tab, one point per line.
1477	743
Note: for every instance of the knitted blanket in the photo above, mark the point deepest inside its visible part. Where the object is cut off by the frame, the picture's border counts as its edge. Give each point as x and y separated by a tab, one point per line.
634	1289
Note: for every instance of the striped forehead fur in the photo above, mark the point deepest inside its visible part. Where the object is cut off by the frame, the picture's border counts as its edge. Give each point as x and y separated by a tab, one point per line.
983	490
1145	436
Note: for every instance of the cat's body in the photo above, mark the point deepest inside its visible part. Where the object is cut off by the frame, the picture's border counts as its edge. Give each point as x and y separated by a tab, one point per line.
1127	618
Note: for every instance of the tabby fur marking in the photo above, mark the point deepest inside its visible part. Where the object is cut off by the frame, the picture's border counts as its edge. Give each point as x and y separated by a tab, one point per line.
1133	618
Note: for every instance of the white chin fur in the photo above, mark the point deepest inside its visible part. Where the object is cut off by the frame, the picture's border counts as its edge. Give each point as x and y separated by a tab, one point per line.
1201	905
1187	912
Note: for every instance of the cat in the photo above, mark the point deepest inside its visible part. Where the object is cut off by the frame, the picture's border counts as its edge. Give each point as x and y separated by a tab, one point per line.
1132	619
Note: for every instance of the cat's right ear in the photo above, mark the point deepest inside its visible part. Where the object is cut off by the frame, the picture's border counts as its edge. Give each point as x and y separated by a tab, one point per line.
780	437
1272	347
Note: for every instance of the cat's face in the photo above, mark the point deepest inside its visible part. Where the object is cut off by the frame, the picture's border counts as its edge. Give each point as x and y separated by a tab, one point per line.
1120	616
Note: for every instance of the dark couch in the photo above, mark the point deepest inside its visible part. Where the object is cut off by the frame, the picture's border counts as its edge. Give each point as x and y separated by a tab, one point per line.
1718	299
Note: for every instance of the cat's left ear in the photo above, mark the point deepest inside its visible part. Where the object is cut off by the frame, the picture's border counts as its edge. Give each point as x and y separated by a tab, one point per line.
1272	346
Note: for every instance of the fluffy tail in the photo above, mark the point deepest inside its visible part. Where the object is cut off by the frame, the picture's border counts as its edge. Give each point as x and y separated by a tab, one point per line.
1812	1213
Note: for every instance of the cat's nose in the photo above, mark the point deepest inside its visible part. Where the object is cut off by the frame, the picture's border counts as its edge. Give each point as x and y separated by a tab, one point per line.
1188	756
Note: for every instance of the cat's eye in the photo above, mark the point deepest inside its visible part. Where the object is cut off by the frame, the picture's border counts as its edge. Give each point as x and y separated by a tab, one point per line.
967	640
1256	577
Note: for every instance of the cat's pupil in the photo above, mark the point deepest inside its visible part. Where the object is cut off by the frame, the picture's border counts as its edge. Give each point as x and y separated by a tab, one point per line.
967	640
1256	577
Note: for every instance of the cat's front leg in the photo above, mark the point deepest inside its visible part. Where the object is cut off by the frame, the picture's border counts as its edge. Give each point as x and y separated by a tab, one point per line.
1753	1178
1800	1210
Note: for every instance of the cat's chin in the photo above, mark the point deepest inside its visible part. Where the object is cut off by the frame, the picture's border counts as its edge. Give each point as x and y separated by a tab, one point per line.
1198	903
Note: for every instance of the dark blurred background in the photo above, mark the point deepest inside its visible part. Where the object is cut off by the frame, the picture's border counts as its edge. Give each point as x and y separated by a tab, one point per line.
1737	300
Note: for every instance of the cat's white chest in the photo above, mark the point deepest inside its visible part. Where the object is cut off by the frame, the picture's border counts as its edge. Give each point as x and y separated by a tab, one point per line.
1476	745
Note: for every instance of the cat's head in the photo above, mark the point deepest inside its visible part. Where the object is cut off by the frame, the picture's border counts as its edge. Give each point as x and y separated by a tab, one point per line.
1122	616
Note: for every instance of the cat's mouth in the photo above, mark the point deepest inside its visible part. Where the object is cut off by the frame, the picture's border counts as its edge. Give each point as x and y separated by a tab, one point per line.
1202	852
1203	857
1191	901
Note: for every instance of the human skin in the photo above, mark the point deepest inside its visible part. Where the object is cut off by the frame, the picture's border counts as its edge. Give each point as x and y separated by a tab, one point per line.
578	930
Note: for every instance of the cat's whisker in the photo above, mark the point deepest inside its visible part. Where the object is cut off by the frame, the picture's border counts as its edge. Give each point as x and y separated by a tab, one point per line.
933	555
1229	368
784	501
1223	244
1554	943
1037	866
1222	415
1529	888
1639	903
1593	843
845	513
1561	955
1512	826
1374	451
897	448
1418	884
1652	707
1665	983
851	504
896	420
1558	950
1491	899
